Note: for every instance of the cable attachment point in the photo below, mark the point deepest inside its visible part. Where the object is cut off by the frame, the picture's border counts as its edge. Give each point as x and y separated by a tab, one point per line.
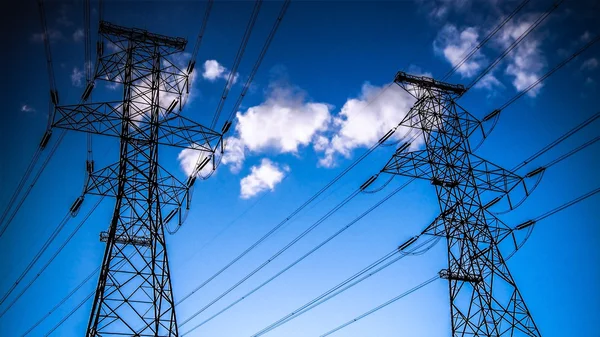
172	106
408	243
386	136
76	206
54	97
171	215
88	91
535	172
226	127
368	182
525	224
45	139
491	115
403	147
100	48
89	166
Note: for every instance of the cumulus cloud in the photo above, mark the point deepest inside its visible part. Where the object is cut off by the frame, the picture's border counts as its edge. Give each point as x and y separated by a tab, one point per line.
78	35
361	124
283	122
213	70
261	178
526	61
590	64
235	154
27	108
454	45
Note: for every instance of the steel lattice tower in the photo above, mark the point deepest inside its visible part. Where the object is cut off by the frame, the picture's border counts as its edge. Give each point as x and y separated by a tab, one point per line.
134	295
484	299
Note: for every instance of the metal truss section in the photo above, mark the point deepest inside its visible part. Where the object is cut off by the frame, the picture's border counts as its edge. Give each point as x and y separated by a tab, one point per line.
106	182
484	299
134	295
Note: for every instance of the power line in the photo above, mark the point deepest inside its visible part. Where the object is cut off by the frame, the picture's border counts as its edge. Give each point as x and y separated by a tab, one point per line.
70	213
367	272
274	256
31	282
559	140
310	252
383	305
552	71
566	205
295	212
36	324
534	25
259	60
485	40
209	5
45	139
237	61
87	298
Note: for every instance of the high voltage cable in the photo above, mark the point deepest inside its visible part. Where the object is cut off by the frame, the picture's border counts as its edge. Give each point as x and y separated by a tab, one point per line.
534	25
554	143
36	155
383	305
310	252
36	324
32	184
367	272
572	152
237	61
209	5
538	218
559	140
87	298
45	246
549	73
82	302
274	256
75	230
259	60
294	213
485	40
566	205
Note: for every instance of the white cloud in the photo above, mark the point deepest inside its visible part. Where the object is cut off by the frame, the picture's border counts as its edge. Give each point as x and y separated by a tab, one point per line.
526	61
284	122
590	64
213	70
261	178
361	125
77	77
78	35
489	82
454	45
27	108
235	154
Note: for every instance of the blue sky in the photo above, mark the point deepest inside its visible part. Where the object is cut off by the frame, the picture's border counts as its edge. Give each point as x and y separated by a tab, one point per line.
300	125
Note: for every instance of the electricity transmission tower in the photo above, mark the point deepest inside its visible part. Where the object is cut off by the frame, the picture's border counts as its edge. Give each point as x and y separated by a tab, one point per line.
134	295
484	299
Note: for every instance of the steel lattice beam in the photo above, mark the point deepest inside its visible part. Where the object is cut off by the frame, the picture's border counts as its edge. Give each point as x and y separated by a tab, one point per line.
134	295
484	299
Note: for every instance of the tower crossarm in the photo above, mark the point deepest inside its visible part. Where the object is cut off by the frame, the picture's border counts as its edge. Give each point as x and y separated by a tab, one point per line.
106	119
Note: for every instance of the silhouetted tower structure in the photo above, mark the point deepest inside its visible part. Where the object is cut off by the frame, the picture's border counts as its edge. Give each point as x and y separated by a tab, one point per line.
484	299
134	295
